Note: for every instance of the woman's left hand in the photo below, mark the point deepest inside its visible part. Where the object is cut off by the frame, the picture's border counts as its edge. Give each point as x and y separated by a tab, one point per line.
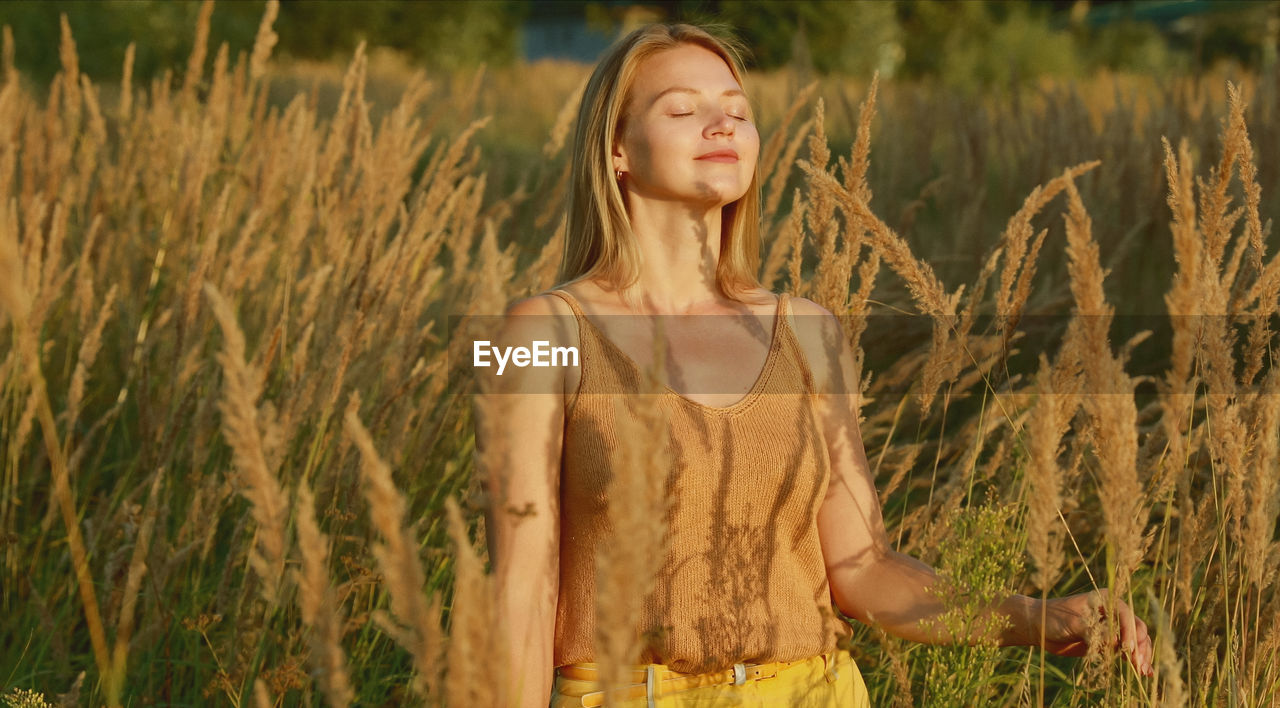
1066	631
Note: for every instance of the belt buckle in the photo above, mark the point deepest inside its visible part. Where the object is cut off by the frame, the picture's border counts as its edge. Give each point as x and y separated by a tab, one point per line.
739	674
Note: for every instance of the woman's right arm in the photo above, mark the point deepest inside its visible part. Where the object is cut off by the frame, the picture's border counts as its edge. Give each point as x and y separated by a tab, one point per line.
519	433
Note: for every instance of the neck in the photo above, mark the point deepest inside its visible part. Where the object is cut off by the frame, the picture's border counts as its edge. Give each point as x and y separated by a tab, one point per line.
679	248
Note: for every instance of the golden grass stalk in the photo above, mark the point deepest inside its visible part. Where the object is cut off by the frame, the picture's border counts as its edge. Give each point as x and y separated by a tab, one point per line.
1264	488
564	122
46	266
855	171
338	140
125	109
1230	444
1111	405
264	42
626	566
490	280
838	248
833	280
1215	220
779	154
898	666
778	181
83	280
208	248
1259	331
319	606
199	49
542	274
820	208
10	108
1177	390
414	623
1050	420
92	140
6	57
793	233
923	284
1166	663
475	654
1239	130
15	299
242	384
89	346
70	75
1019	259
133	584
774	166
859	302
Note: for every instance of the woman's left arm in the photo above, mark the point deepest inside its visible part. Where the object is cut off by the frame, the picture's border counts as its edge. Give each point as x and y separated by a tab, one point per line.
874	583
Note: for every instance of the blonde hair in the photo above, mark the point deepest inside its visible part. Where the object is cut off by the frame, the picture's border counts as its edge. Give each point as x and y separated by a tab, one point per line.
599	242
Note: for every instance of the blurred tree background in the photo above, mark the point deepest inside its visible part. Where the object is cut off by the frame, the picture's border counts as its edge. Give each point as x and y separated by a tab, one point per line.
967	44
447	34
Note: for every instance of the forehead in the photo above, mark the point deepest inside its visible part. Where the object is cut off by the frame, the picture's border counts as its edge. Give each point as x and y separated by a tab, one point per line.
688	65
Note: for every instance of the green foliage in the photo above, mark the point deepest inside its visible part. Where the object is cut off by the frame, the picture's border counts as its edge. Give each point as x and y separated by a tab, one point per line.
103	29
978	560
831	36
1131	46
448	34
973	45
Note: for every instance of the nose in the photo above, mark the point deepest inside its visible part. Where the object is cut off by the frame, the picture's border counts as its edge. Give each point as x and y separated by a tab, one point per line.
722	124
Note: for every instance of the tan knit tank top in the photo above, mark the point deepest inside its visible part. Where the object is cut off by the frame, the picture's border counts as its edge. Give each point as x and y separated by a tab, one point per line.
743	579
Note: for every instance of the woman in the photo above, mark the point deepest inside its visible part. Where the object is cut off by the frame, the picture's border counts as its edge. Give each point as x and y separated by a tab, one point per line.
774	520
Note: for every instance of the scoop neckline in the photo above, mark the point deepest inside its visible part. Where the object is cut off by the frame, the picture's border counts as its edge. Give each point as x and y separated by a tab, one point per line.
747	398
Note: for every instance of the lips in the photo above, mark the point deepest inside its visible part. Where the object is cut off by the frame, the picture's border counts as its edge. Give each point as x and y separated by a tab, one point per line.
725	155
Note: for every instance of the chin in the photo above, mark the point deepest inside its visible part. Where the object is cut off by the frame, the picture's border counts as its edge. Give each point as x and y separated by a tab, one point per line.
719	195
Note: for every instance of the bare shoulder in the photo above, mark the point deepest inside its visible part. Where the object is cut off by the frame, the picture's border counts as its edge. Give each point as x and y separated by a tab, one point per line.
541	304
822	340
542	317
520	352
805	306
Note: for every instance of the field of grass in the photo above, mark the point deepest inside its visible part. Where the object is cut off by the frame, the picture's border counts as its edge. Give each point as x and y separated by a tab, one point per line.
237	458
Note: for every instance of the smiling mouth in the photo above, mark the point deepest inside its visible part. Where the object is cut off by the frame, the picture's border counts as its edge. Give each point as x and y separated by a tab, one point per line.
719	156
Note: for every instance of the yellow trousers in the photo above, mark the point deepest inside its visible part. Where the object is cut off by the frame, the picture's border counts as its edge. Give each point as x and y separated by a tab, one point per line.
816	682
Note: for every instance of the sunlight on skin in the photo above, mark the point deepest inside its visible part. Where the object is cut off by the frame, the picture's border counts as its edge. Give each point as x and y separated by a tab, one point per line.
878	585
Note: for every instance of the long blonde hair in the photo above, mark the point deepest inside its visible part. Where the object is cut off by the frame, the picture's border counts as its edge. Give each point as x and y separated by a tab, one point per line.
599	242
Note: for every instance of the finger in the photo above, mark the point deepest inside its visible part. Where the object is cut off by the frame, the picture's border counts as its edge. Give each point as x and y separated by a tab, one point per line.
1128	633
1135	640
1146	647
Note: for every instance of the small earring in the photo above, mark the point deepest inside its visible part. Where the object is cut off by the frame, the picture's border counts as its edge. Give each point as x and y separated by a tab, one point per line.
618	173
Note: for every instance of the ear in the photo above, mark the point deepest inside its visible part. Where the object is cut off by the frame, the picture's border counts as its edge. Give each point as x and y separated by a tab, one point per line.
619	160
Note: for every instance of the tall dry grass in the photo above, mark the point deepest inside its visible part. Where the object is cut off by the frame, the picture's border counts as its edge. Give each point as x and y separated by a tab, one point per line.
237	452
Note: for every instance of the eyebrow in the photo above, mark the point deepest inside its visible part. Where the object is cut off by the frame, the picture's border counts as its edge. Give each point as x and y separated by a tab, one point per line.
686	89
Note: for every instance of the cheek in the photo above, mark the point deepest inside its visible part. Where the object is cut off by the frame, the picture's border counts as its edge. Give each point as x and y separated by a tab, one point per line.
748	140
656	149
670	142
